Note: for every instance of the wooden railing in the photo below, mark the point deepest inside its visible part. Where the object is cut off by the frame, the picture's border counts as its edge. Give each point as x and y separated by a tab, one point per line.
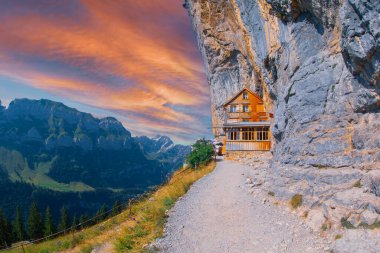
233	115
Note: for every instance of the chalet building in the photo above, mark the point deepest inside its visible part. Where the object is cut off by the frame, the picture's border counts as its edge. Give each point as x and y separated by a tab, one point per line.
247	127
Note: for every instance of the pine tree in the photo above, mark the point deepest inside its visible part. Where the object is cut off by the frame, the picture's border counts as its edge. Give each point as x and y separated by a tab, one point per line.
35	223
8	232
18	226
75	222
82	219
65	221
103	213
3	231
49	227
116	209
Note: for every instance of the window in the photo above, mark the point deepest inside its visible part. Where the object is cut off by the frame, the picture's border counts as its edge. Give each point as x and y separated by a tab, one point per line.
248	134
233	135
245	108
232	108
262	133
245	95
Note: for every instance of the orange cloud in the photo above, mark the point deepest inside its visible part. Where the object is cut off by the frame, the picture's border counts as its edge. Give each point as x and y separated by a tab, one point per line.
130	57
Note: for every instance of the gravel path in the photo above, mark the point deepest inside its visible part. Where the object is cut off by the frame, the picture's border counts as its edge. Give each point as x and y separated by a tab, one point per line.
218	214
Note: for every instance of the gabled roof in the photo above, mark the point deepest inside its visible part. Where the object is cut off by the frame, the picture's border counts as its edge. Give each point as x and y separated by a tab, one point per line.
240	92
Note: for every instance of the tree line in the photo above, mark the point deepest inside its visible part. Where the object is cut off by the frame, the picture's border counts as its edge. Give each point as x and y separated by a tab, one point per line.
37	225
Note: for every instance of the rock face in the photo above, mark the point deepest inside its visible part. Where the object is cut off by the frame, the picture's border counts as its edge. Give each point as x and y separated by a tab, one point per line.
315	63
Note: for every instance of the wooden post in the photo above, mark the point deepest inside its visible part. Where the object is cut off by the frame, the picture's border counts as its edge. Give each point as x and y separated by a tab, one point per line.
130	206
22	246
73	232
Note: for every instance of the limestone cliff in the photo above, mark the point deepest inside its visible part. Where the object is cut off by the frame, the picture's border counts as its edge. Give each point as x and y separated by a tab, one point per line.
316	64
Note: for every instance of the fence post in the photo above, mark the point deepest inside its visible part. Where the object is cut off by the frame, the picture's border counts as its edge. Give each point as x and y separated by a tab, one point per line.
130	206
22	246
73	232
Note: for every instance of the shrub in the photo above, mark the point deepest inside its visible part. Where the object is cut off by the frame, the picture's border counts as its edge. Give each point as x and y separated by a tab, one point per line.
168	202
201	154
346	224
270	193
296	201
338	236
358	184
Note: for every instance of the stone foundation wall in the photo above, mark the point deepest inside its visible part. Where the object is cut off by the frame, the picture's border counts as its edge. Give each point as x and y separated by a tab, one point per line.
236	155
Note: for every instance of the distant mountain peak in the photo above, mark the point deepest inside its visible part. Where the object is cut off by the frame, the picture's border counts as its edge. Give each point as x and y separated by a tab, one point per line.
163	149
113	125
163	140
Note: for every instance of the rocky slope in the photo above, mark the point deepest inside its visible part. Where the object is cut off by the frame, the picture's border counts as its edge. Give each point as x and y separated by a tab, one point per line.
316	63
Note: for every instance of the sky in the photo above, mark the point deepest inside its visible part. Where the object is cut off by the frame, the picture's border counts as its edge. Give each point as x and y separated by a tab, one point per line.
137	61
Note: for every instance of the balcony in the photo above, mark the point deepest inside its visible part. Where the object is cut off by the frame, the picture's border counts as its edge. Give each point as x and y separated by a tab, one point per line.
236	115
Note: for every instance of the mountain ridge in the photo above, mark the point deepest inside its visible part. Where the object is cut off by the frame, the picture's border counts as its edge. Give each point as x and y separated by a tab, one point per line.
54	149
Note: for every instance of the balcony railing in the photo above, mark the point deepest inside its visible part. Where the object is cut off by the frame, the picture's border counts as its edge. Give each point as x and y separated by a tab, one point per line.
235	115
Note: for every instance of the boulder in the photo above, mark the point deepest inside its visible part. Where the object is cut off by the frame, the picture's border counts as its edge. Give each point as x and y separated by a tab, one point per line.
368	217
358	241
354	219
371	182
356	199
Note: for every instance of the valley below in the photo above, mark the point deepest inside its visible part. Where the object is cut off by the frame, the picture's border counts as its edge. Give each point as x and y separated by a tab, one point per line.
57	156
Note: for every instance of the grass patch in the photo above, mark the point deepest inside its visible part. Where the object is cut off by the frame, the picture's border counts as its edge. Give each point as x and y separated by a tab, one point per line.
150	216
324	227
320	166
270	193
358	184
338	236
129	232
169	202
346	224
373	226
296	201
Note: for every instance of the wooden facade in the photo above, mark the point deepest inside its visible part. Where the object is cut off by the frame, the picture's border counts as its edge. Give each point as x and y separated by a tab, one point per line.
247	125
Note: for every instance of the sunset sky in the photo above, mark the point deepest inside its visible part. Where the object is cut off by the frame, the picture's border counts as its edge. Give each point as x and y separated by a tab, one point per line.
135	60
